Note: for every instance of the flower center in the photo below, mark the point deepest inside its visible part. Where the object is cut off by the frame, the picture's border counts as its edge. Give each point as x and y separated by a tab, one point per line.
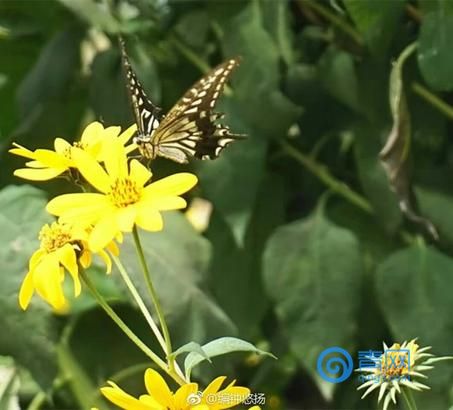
54	236
394	365
124	192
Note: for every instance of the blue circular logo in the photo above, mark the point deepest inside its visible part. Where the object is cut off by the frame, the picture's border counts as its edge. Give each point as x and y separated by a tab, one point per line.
339	364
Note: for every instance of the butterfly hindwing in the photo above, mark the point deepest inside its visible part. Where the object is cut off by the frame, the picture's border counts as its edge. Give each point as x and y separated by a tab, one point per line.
147	115
190	125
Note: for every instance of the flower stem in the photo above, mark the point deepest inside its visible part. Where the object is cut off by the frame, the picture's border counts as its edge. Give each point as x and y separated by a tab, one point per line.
154	298
139	301
410	402
141	304
333	18
127	331
433	99
324	175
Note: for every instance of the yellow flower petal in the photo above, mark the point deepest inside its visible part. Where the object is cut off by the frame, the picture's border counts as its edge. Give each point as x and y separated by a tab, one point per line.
166	203
52	158
115	161
78	204
85	259
67	258
125	218
158	389
214	386
149	219
92	132
22	151
61	145
127	134
173	185
103	233
139	173
91	170
39	174
47	281
108	263
182	394
122	399
26	291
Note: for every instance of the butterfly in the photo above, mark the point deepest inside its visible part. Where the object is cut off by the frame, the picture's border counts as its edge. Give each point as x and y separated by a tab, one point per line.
189	129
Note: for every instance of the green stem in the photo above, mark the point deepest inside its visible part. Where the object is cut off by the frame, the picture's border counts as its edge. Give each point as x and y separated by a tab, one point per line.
141	304
325	176
127	331
139	301
154	297
333	18
409	399
433	99
37	401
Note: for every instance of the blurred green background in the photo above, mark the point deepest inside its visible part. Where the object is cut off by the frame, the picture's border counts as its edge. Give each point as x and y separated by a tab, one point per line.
306	246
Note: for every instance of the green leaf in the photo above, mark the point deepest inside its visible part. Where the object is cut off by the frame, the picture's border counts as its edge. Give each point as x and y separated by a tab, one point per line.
49	80
218	347
178	258
414	288
338	76
191	347
434	52
277	21
437	206
94	13
316	292
372	176
30	336
377	21
395	153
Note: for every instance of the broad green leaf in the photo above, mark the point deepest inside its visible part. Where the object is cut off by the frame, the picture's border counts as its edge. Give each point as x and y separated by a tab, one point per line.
395	153
277	20
178	259
49	80
337	75
29	337
377	21
218	347
437	207
236	270
434	51
241	161
313	272
414	289
367	144
94	13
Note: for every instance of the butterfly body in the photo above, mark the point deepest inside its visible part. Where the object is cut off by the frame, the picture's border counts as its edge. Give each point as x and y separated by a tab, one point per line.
189	129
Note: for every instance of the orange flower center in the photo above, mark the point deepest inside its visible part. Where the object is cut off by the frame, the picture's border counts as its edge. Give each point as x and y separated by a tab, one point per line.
54	236
124	192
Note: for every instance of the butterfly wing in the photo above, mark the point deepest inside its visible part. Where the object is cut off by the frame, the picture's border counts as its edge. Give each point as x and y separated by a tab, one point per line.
189	129
147	115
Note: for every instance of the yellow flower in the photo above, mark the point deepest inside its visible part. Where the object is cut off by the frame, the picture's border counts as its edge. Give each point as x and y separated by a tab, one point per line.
124	200
396	369
47	164
62	247
187	397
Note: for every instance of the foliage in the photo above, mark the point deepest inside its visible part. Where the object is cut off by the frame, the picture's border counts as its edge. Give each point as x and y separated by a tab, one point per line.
306	248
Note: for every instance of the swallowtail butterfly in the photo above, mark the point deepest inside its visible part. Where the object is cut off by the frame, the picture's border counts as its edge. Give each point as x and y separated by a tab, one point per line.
189	128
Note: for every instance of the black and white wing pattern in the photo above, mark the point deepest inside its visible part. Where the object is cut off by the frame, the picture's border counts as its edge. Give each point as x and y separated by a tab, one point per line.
189	129
147	115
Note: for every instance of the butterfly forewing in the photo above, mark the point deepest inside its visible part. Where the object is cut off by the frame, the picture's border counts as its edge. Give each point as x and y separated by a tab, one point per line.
189	129
146	114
